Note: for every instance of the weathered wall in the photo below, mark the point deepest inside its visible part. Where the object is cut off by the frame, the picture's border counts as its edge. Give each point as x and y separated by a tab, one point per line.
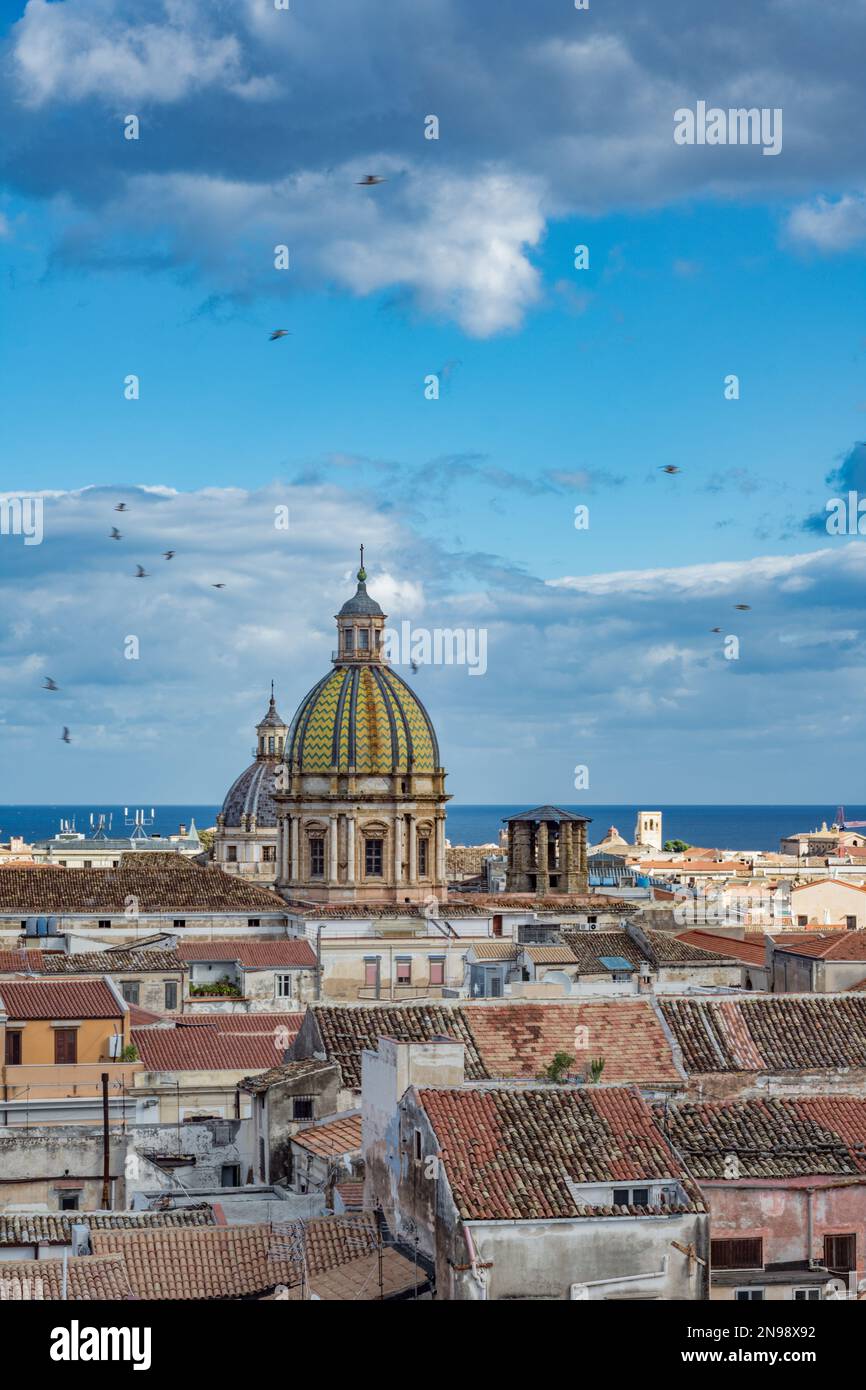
33	1160
778	1213
209	1145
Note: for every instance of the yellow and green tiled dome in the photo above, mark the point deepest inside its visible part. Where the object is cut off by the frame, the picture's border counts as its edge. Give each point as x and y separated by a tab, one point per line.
363	717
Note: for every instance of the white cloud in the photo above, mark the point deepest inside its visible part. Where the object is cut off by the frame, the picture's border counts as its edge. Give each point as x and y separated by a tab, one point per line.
824	225
75	51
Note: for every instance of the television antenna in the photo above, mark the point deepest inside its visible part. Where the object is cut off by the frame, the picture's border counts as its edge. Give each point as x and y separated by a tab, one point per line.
138	822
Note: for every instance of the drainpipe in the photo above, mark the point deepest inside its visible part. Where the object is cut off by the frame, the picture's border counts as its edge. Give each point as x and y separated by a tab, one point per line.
473	1261
318	962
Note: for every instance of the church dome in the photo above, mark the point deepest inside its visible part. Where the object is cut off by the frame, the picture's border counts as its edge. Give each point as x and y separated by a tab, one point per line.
252	794
364	717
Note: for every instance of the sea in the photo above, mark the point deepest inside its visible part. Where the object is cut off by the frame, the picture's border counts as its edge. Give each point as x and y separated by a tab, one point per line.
712	827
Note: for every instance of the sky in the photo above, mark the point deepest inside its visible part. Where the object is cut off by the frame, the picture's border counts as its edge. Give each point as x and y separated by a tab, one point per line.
558	388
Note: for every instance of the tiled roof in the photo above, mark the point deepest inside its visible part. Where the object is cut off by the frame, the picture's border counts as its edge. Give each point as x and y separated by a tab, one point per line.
512	1155
849	945
232	1261
510	1040
54	1228
798	1137
112	963
347	1030
560	902
520	1039
218	1042
287	1071
252	954
550	955
31	999
178	886
769	1032
494	950
836	882
471	907
751	951
141	1018
87	1277
590	946
340	1136
17	962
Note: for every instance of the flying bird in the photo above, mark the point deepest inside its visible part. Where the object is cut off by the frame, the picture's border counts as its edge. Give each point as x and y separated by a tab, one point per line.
50	684
115	534
141	572
669	468
370	179
279	333
743	607
65	735
169	554
715	629
121	507
217	586
414	665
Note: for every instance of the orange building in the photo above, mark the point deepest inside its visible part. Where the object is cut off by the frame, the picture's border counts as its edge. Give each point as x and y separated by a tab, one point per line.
57	1037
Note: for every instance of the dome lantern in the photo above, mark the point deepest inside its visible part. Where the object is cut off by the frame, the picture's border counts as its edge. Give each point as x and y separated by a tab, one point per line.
360	626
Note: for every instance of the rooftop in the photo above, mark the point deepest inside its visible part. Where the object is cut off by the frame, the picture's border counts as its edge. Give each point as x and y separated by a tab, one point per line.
172	883
515	1039
55	1228
802	1137
218	1042
514	1155
788	1032
332	1138
819	945
251	953
40	999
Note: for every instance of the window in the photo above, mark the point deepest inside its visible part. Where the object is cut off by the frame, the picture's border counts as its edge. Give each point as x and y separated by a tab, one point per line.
253	921
179	923
373	858
269	854
69	1201
418	1146
104	922
65	1045
437	970
810	1295
737	1254
423	855
404	971
840	1253
802	921
271	744
170	994
851	923
13	1049
88	863
317	857
348	639
631	1197
363	640
232	854
371	973
283	986
231	1175
130	989
302	1108
749	1295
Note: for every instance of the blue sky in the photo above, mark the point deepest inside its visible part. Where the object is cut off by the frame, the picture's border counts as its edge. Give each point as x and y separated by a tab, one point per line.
560	387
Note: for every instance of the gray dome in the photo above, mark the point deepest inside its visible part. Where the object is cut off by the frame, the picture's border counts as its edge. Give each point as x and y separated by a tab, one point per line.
360	605
252	795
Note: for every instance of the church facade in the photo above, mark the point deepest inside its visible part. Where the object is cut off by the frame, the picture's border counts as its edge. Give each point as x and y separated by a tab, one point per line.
360	794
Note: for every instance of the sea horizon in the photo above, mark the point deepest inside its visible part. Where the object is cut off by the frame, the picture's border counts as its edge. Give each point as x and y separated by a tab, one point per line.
720	825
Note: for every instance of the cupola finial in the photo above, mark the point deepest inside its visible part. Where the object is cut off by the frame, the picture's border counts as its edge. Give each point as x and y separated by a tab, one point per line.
362	573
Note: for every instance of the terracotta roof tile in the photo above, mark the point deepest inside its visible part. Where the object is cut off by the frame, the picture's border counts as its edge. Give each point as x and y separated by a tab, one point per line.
32	999
286	1071
252	954
513	1155
174	884
218	1042
20	962
800	1137
769	1032
112	963
340	1136
819	945
88	1277
55	1228
751	951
